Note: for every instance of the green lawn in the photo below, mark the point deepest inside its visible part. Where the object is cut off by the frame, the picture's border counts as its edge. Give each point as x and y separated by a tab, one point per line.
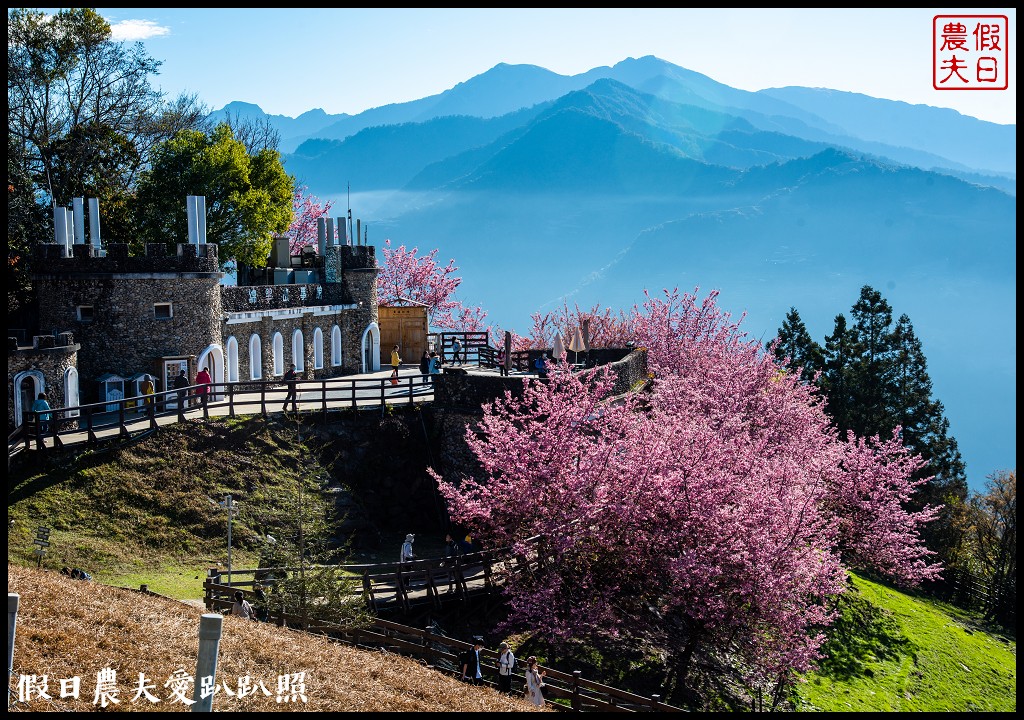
895	652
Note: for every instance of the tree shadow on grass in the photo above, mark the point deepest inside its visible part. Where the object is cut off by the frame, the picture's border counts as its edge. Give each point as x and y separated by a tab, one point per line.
862	633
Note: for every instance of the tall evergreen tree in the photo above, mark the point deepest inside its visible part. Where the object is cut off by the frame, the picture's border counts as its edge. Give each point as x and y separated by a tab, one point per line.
926	433
872	366
837	377
796	347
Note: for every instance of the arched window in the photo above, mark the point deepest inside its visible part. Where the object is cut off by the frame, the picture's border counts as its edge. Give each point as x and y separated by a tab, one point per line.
255	358
298	351
278	354
71	397
318	349
232	359
335	346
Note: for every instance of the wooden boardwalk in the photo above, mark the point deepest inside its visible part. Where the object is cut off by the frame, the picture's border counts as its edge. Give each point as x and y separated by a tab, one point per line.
382	586
95	422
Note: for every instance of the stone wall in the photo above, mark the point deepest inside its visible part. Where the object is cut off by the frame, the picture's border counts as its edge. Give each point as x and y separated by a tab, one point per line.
52	358
125	337
459	390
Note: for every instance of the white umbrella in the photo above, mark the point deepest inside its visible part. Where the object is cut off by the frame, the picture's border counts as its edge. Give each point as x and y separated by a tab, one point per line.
558	351
576	344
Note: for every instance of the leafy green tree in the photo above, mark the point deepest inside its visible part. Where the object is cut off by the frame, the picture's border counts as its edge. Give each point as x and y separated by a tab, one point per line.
82	104
248	197
994	524
796	347
26	223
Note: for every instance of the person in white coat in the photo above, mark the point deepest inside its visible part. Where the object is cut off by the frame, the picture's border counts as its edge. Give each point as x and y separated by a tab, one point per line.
534	682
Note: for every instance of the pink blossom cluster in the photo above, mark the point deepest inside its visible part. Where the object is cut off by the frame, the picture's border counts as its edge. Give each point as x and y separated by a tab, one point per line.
717	512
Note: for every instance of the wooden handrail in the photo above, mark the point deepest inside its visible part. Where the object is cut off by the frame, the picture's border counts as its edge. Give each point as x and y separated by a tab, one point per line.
120	418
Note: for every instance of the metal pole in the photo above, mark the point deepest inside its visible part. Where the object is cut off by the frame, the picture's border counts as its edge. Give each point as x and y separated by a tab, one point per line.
210	626
12	620
231	515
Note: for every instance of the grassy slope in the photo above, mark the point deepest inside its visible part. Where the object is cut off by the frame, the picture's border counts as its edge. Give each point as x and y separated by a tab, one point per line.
895	652
141	515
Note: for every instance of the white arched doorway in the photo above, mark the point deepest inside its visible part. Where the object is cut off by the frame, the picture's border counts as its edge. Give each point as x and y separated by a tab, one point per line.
370	349
27	386
212	357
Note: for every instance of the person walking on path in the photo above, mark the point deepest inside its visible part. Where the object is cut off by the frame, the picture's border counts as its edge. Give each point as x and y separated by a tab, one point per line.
180	383
435	366
540	365
396	360
406	556
41	406
534	682
425	366
147	389
501	362
471	671
506	664
456	351
452	553
203	380
290	377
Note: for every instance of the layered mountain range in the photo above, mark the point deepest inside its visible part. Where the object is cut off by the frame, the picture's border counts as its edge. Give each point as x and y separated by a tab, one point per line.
594	188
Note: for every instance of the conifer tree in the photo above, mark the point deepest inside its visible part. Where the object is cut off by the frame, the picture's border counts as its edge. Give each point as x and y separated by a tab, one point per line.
926	431
795	347
871	366
837	377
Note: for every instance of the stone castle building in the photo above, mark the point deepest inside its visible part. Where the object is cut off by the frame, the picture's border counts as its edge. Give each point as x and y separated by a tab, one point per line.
108	319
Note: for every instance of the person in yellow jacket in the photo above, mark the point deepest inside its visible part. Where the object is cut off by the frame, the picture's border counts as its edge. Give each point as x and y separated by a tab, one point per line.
396	360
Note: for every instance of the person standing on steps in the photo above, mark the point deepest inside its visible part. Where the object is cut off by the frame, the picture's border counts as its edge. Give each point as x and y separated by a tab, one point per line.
290	377
471	671
506	664
534	682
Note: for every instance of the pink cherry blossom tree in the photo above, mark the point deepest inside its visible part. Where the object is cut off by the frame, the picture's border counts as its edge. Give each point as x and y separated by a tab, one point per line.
307	210
716	514
406	275
606	327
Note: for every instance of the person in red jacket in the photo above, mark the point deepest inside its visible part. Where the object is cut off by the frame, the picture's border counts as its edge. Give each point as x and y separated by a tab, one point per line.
203	380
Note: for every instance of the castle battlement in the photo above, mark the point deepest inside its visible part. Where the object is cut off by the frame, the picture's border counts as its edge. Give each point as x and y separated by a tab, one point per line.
86	258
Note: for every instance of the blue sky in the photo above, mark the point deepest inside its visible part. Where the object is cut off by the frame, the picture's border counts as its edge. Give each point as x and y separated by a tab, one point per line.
289	61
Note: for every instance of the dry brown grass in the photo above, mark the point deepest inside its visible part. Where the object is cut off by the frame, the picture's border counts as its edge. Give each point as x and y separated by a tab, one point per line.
70	628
